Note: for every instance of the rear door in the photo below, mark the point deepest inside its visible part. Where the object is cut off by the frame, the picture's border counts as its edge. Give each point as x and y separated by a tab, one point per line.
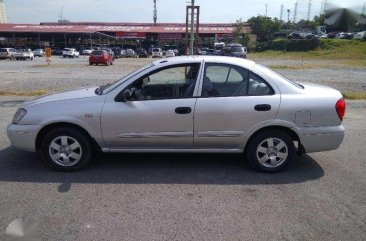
232	102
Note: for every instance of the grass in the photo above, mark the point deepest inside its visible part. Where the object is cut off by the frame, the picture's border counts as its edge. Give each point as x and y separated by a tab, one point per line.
351	52
354	95
24	93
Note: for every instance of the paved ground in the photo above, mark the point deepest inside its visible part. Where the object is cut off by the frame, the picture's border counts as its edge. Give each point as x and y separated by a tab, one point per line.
321	196
64	74
190	197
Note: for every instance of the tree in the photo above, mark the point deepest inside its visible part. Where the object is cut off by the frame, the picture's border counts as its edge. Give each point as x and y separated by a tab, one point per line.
319	20
239	35
264	27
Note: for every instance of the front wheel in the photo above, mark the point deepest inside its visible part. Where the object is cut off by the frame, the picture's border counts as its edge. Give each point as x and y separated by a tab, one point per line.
66	149
270	151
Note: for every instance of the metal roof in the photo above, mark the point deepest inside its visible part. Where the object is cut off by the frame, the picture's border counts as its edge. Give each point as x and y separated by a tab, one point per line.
110	27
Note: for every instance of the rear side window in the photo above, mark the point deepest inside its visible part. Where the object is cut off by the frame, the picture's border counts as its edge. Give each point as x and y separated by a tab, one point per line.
222	80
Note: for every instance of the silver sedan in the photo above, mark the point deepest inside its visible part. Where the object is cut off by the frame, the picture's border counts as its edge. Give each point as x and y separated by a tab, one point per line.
203	104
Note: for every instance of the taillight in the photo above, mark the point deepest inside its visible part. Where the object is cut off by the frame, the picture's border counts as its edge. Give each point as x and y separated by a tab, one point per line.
341	108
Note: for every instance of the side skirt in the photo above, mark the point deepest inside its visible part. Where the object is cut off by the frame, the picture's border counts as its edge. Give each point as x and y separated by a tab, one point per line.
172	150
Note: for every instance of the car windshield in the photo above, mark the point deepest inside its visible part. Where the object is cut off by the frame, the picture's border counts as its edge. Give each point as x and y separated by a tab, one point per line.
3	50
237	49
98	52
155	50
103	89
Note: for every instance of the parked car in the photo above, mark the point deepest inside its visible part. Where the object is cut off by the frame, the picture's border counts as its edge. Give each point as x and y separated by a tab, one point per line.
203	51
130	53
117	52
156	53
360	35
7	53
24	54
142	53
110	51
100	57
38	53
56	51
70	53
123	53
234	105
87	51
210	52
235	50
169	53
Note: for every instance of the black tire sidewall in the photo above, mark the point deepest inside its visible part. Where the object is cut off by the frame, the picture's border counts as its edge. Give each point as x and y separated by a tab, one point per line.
251	154
77	135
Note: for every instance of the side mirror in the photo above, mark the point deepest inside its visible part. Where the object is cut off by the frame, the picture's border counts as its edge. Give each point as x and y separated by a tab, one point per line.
126	95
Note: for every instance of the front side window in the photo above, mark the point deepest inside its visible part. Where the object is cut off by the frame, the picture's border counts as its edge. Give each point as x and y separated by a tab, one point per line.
168	83
223	80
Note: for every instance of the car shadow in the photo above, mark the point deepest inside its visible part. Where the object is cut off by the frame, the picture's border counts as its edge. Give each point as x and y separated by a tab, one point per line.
204	169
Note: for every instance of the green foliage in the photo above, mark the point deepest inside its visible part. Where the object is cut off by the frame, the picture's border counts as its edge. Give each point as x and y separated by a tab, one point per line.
319	20
264	27
290	45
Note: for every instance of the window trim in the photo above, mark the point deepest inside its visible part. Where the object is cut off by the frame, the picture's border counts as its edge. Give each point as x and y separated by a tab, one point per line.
161	69
207	64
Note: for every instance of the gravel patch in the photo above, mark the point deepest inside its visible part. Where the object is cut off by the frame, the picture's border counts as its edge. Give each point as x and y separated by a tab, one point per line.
65	74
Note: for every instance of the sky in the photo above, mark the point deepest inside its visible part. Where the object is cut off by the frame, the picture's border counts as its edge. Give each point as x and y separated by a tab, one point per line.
169	11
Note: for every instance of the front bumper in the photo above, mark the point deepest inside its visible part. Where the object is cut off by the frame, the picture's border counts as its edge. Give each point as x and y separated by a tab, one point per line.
23	137
315	139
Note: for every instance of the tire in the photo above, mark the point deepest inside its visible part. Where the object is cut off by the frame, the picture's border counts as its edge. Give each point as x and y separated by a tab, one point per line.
64	56
111	62
264	158
60	142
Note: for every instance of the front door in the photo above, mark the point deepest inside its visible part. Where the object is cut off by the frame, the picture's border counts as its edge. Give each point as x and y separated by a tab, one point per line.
159	113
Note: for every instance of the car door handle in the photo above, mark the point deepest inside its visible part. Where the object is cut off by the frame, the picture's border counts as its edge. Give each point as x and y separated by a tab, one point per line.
183	110
263	107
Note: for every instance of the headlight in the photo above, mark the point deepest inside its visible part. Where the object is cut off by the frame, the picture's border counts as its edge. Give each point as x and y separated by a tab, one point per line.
19	115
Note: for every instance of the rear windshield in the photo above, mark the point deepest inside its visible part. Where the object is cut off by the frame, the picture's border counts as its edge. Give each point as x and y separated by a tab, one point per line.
268	71
237	49
155	50
98	52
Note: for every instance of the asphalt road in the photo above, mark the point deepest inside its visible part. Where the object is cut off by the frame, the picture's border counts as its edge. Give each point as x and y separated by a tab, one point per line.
320	196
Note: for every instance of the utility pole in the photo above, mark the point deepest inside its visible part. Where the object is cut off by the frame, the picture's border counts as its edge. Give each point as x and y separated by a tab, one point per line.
295	12
309	10
192	29
288	15
266	9
363	9
281	12
155	13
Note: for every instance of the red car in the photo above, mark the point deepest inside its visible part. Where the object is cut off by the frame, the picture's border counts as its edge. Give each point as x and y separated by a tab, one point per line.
100	57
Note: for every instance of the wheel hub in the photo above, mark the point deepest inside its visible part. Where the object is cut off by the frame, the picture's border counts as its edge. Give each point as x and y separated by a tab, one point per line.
272	152
65	150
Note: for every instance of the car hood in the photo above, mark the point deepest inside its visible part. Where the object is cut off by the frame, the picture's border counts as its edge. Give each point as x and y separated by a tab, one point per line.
62	96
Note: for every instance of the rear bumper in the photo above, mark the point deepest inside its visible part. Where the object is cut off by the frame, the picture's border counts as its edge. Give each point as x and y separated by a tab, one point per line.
23	137
316	139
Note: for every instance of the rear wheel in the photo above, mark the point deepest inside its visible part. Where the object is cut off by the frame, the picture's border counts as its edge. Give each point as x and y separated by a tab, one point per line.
270	151
66	149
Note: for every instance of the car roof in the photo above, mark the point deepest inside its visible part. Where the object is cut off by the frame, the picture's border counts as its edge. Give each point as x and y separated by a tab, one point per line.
200	58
